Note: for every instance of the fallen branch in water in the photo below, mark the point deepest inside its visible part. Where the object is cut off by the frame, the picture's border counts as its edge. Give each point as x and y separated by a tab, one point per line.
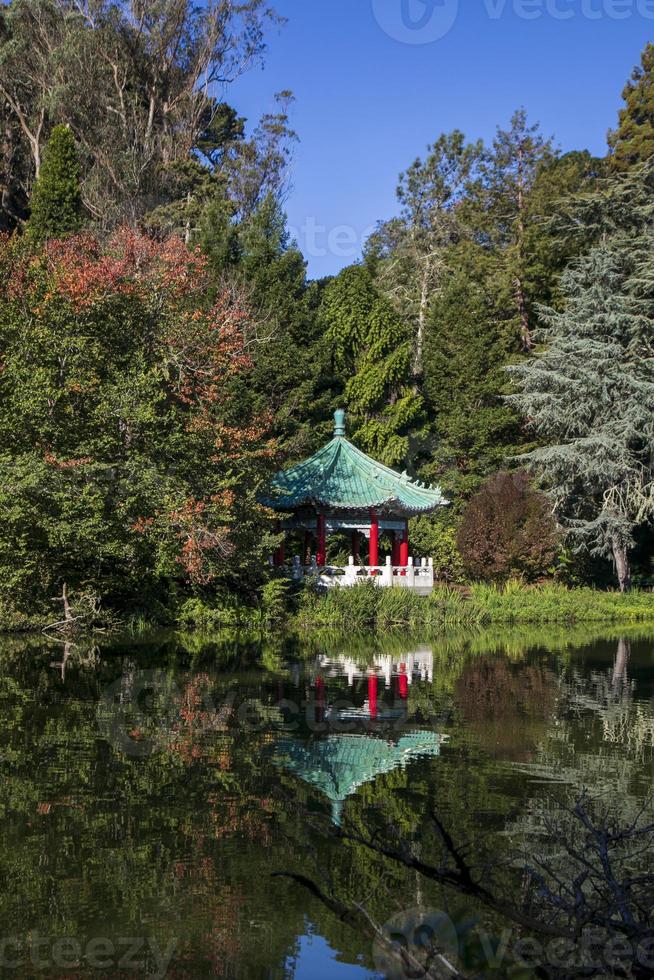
587	884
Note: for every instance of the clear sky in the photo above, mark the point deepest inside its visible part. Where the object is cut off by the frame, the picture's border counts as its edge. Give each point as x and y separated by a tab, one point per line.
377	80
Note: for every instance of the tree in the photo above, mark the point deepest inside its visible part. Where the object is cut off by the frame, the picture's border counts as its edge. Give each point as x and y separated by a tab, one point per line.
503	208
589	396
507	530
291	379
468	344
259	170
409	252
227	177
56	204
372	350
133	80
127	471
632	143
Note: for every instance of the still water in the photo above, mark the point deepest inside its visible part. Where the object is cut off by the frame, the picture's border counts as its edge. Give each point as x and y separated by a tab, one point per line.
158	794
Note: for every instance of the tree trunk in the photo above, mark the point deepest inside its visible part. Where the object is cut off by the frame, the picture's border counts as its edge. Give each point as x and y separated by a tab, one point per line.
525	329
422	322
623	570
64	598
620	676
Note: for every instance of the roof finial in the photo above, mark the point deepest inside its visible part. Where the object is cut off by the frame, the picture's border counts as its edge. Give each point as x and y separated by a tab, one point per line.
339	422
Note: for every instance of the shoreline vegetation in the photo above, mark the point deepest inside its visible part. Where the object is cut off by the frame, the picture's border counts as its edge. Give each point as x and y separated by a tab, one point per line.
480	605
366	609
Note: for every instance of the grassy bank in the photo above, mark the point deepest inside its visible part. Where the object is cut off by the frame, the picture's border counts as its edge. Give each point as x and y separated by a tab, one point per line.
367	607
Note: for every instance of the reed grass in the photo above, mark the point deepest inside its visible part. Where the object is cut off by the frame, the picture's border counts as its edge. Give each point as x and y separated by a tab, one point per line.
367	607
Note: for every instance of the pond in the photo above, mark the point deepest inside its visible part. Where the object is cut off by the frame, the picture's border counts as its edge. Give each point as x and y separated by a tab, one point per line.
159	793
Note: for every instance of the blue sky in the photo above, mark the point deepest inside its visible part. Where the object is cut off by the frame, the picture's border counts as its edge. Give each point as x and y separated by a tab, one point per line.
370	97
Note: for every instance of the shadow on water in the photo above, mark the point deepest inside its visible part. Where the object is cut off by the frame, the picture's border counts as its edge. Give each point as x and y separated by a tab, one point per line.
153	787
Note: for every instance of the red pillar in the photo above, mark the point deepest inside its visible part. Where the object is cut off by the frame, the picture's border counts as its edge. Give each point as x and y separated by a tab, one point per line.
374	539
372	695
396	549
403	683
321	556
404	548
280	555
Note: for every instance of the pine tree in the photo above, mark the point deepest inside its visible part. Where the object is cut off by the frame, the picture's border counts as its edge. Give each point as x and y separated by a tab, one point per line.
505	212
590	397
468	344
372	352
257	257
56	204
632	143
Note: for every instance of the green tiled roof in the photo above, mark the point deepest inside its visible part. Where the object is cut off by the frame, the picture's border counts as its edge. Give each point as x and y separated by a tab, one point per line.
339	764
341	477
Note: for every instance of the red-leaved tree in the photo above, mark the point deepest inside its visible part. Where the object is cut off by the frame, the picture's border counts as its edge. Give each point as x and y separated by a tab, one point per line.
127	464
508	530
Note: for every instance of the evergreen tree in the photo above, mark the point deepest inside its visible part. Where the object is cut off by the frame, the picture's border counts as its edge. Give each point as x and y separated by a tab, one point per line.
502	211
290	377
372	352
632	143
468	344
590	397
56	204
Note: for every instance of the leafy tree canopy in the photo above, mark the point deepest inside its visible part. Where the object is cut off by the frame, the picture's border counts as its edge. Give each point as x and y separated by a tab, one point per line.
371	349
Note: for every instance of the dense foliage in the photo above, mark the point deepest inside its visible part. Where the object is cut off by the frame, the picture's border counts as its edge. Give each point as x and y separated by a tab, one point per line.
161	361
371	350
508	530
124	469
56	203
632	143
590	395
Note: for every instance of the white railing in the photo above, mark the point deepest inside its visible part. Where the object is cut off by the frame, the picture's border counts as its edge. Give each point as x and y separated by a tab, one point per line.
417	574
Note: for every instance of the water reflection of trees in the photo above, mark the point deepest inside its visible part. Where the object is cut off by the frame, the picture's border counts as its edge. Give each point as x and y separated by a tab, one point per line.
507	709
611	696
193	834
600	744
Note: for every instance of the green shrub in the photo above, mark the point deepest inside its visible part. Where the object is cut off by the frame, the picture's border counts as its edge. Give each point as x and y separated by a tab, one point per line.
274	600
195	613
435	536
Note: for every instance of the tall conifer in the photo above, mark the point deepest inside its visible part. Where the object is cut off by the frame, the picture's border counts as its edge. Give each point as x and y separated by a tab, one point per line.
589	395
56	204
632	143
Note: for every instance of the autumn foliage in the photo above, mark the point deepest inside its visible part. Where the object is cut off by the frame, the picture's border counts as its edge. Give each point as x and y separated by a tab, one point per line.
508	530
126	464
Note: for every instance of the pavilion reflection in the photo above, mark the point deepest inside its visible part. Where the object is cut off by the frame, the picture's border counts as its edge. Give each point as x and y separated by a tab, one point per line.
378	690
359	722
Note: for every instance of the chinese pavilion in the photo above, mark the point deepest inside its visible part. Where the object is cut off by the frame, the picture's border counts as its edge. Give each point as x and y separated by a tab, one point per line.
340	489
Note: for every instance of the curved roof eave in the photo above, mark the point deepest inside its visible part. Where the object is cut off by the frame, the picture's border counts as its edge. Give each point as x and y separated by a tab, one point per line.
342	477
